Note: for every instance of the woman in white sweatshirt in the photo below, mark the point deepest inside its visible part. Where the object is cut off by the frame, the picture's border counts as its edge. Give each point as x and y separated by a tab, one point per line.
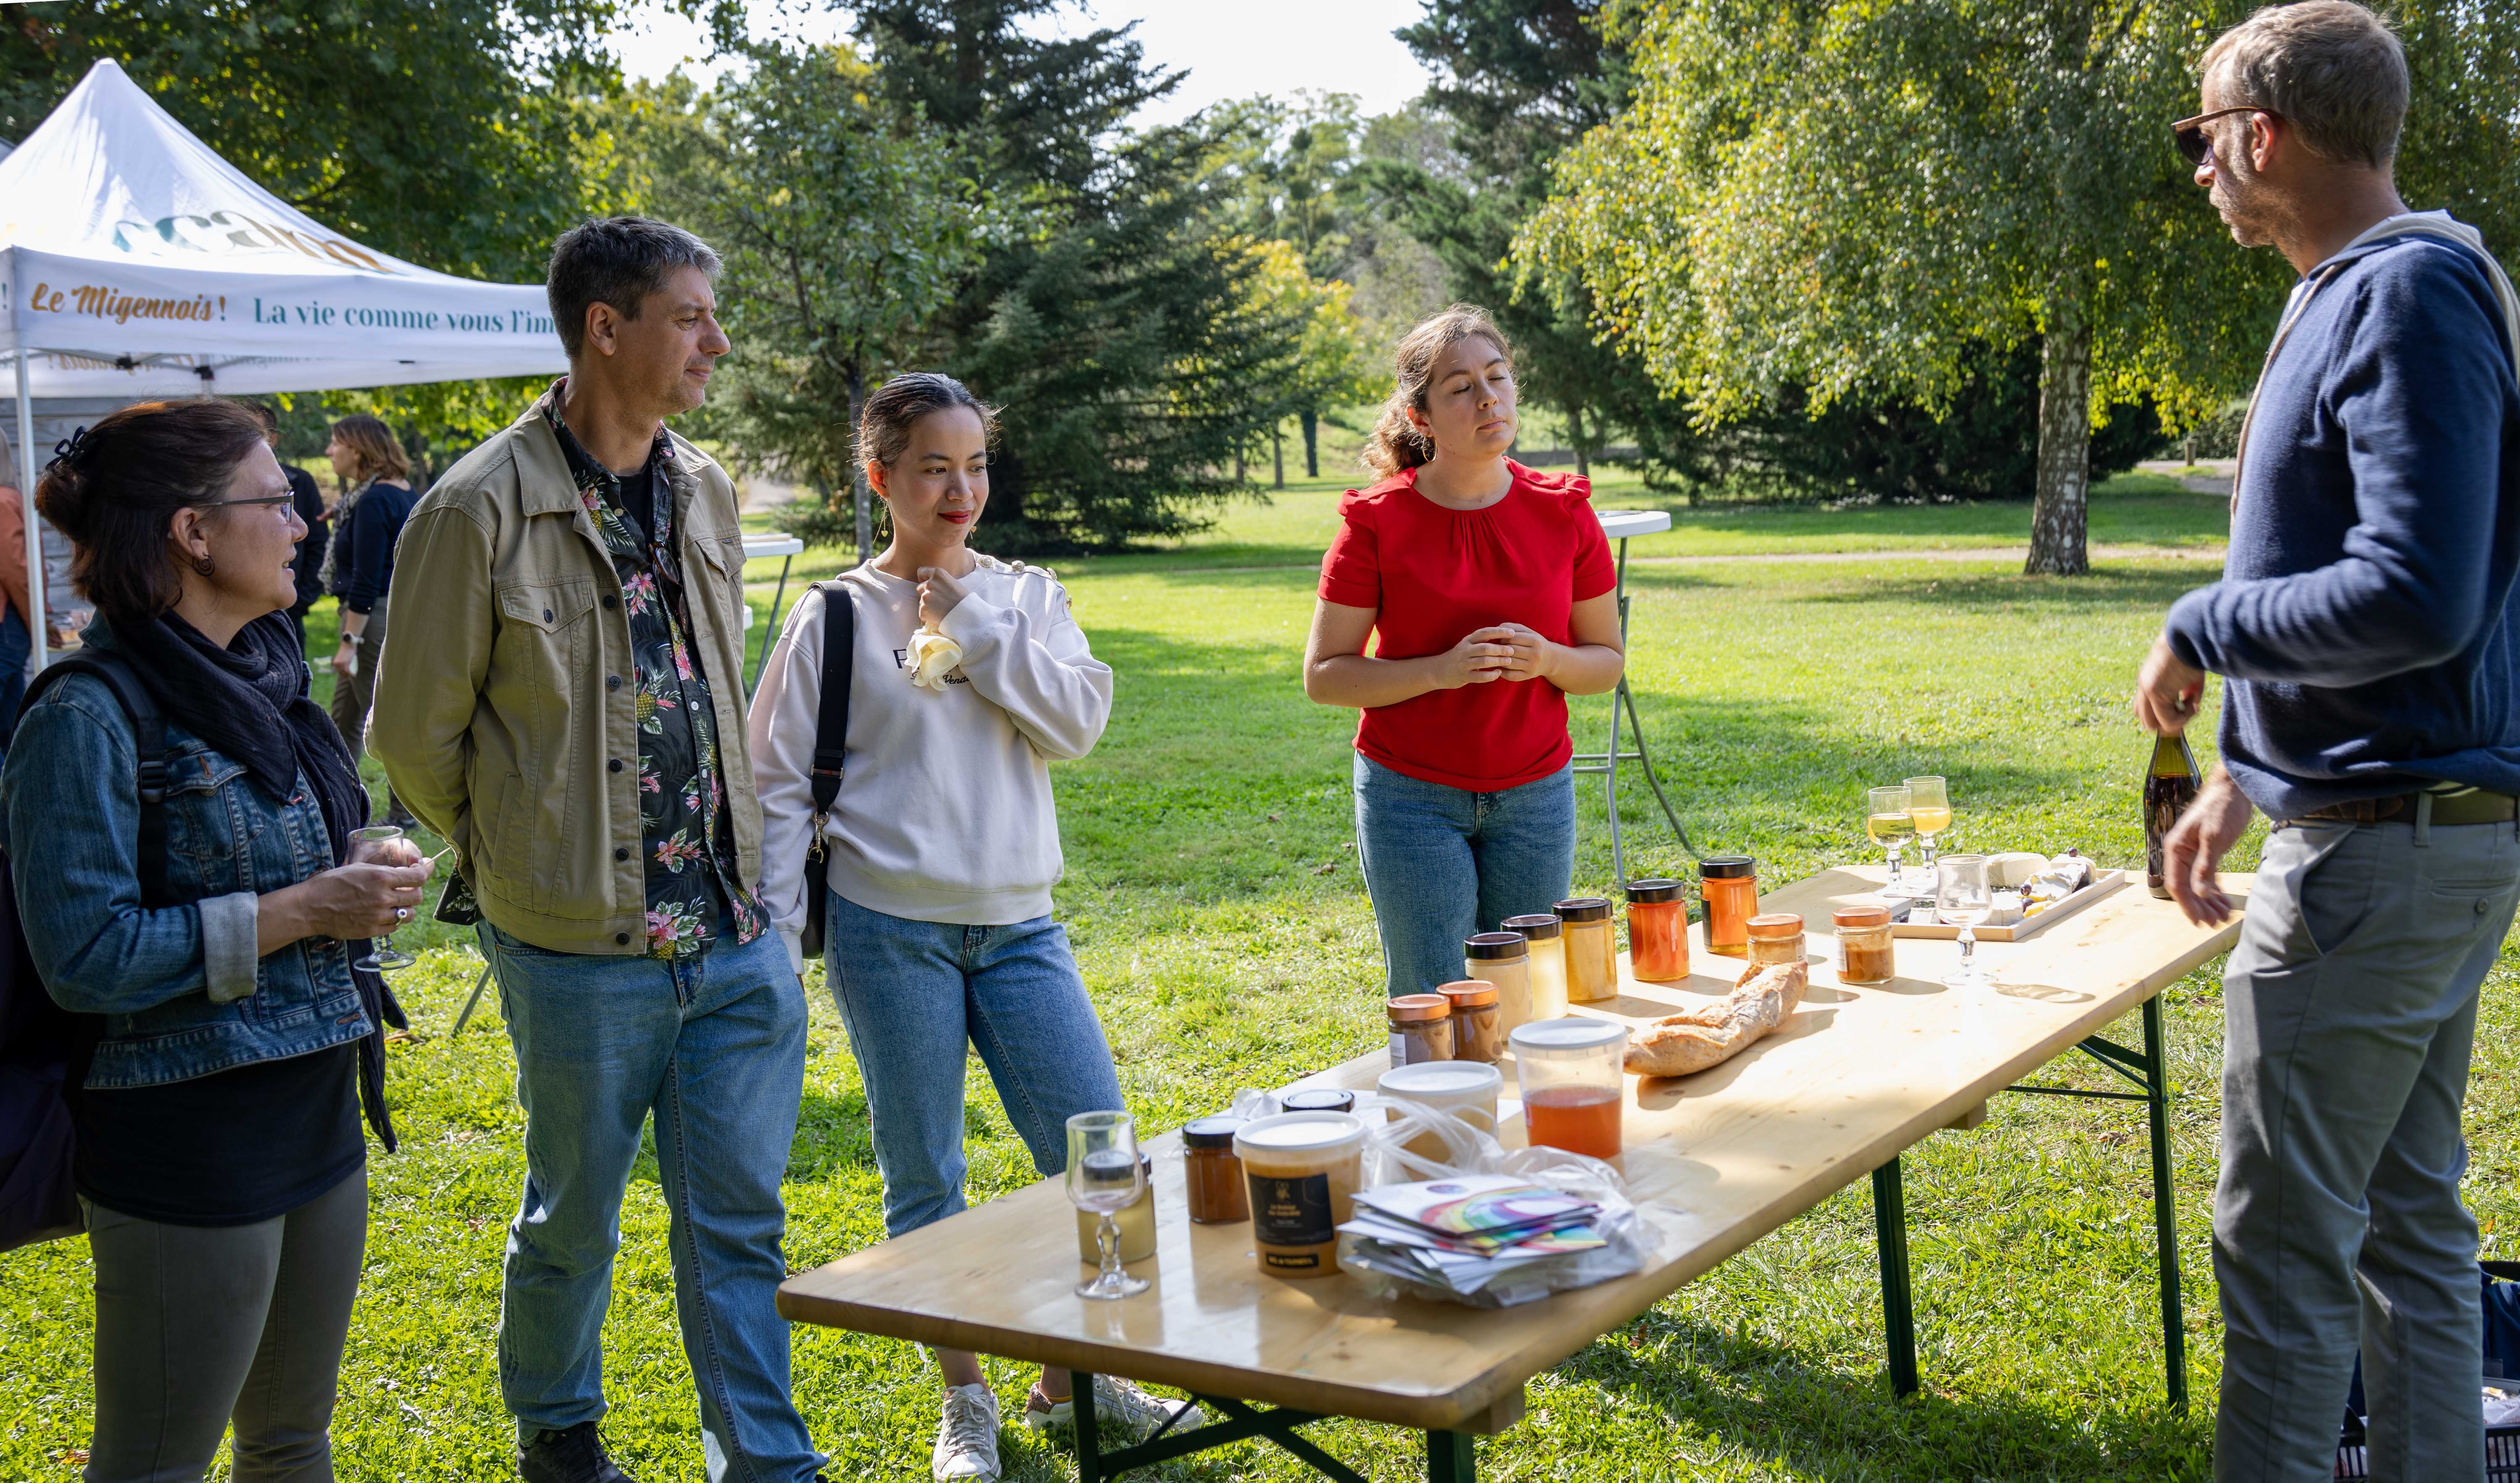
943	845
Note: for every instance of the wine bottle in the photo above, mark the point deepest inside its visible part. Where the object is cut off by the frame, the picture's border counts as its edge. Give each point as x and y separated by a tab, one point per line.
2169	784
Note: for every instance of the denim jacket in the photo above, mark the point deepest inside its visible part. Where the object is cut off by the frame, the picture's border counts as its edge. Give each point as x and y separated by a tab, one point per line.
181	989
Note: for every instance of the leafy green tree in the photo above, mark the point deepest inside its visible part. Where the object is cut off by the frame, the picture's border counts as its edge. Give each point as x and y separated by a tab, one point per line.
1332	363
1119	328
1520	81
847	229
445	131
1856	196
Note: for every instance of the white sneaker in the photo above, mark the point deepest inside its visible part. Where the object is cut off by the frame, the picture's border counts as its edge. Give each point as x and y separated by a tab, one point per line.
1119	1402
967	1438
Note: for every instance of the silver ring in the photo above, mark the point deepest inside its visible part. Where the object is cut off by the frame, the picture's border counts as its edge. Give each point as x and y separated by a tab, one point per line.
402	914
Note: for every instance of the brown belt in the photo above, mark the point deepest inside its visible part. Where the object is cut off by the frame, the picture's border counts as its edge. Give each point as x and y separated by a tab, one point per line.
2474	806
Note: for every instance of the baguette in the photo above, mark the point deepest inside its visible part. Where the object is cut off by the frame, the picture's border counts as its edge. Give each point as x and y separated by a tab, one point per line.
1678	1044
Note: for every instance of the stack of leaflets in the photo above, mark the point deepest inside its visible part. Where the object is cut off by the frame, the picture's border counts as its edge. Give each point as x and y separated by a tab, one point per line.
1463	1234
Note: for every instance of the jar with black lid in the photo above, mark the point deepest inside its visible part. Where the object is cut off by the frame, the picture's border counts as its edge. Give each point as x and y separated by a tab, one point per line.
1212	1173
1728	885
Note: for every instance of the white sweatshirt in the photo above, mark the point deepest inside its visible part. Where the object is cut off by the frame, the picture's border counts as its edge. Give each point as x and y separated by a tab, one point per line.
944	813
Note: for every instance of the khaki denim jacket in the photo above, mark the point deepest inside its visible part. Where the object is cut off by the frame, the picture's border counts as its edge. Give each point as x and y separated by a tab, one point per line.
506	706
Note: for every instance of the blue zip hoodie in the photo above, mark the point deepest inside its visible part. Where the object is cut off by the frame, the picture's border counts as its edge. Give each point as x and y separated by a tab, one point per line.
2364	621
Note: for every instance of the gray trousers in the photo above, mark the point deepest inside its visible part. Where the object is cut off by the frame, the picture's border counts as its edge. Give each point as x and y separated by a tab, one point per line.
195	1326
2349	1009
352	697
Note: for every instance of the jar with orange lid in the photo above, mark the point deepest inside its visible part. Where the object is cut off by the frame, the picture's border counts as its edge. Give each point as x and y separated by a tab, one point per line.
1478	1025
1775	937
1422	1028
1864	951
1729	887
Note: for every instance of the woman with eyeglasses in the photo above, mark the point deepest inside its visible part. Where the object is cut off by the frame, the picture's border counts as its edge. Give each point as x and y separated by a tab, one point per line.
204	938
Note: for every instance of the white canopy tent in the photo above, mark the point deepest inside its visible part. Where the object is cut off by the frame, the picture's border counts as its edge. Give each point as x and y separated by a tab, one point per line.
135	262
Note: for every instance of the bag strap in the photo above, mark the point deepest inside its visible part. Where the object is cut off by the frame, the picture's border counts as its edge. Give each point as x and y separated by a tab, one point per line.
148	742
831	717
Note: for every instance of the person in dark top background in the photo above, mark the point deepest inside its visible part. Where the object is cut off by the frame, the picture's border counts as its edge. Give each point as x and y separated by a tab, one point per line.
2367	641
359	568
308	564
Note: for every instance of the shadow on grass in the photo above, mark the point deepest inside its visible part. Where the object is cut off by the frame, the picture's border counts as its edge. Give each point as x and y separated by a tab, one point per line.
2105	586
1758	1398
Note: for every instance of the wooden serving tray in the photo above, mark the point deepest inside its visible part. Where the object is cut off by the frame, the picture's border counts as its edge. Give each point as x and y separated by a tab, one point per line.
2103	882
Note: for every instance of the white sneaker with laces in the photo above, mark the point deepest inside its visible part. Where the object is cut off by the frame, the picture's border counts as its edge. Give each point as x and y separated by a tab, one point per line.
1117	1403
966	1437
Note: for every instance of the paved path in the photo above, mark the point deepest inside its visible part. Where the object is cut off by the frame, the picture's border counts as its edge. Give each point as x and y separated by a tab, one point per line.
2016	554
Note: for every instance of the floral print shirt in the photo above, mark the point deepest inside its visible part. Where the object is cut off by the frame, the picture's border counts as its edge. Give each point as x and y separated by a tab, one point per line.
687	837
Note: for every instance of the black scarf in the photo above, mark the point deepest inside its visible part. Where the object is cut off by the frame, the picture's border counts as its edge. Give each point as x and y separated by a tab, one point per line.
249	702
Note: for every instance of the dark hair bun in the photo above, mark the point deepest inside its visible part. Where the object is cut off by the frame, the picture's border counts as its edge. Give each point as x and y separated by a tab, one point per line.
115	490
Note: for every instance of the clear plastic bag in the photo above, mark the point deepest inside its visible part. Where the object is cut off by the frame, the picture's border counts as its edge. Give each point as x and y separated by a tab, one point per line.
1633	1234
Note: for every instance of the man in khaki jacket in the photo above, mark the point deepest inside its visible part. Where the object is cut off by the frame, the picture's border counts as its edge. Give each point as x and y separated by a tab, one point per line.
563	700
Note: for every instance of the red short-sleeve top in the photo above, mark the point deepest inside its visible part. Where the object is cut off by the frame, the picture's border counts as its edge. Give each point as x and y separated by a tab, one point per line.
1432	574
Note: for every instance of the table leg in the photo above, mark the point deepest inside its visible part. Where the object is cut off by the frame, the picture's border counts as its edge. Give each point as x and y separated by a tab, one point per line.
1898	1312
1088	1446
2165	1208
771	634
469	1005
1452	1456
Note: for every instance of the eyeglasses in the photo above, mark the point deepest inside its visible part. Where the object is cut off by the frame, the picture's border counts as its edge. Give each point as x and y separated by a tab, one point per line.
268	499
2189	133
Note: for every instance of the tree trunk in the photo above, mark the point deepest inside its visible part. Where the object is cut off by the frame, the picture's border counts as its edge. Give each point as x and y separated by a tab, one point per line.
2059	514
1240	476
1312	443
860	499
1575	435
1278	456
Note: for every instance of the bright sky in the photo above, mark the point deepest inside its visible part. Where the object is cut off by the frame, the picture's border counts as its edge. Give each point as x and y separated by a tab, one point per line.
1325	45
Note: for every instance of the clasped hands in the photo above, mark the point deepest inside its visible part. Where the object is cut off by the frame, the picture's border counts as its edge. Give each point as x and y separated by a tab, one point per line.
1499	651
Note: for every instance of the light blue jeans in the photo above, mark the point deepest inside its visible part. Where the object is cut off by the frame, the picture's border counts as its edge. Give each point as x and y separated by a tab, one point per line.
714	1046
915	996
1442	863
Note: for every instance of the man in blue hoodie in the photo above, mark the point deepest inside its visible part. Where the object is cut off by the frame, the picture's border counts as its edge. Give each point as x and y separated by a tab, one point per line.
2366	636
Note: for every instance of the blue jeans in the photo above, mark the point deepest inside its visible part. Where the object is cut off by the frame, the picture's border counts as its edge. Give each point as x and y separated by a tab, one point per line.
1442	863
915	995
714	1046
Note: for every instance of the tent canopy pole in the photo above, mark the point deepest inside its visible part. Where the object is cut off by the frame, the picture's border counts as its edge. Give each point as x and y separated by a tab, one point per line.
37	651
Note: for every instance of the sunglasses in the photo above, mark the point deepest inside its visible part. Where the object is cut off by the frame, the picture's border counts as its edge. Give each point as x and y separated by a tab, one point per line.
2189	133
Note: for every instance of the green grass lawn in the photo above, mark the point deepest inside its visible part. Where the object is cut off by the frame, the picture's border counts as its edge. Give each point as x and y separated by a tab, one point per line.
1224	931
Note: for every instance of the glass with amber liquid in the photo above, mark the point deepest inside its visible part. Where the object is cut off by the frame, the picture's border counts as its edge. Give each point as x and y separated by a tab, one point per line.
1887	820
2169	784
1929	808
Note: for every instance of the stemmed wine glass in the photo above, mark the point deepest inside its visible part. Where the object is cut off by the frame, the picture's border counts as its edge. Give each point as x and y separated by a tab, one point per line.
1887	820
1930	806
1963	898
1103	1177
383	956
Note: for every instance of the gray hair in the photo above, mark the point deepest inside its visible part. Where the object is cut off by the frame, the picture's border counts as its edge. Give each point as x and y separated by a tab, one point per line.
615	260
2330	69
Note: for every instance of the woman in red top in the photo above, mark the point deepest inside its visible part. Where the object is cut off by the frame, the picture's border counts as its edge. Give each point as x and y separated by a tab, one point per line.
1491	589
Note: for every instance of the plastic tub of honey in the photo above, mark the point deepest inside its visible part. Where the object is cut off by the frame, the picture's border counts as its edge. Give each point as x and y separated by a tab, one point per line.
1468	1089
1303	1169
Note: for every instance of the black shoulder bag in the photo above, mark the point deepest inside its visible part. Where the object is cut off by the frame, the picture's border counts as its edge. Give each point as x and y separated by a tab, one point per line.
830	748
45	1048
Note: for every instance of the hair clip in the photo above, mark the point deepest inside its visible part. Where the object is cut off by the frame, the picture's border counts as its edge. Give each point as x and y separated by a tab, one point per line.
69	447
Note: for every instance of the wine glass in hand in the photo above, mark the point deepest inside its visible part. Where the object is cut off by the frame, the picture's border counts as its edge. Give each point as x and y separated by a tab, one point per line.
382	844
1103	1177
1964	898
1887	820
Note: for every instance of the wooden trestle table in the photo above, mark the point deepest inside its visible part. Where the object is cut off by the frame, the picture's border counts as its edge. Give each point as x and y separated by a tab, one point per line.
1856	1076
